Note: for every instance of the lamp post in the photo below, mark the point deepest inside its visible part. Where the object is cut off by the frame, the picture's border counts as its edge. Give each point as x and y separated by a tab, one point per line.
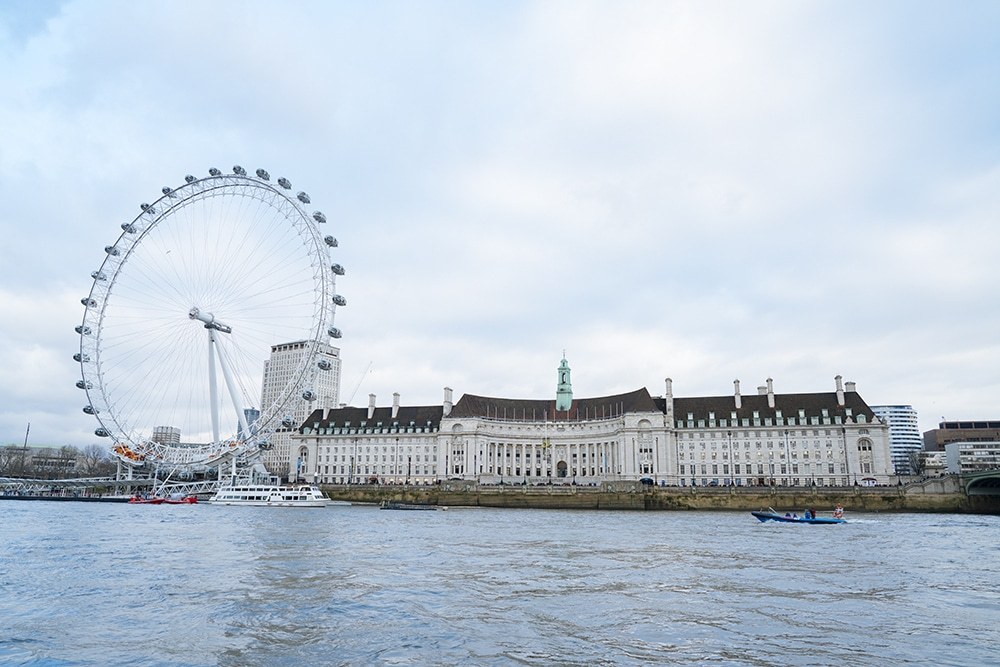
409	464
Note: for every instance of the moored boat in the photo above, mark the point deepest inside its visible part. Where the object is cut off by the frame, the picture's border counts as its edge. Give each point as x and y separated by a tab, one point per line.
263	495
142	500
185	500
157	500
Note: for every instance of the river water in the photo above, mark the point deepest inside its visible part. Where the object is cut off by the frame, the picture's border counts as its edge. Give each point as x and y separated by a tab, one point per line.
113	584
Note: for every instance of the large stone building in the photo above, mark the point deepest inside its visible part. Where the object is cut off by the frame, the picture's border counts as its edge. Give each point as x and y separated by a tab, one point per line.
963	446
829	439
961	431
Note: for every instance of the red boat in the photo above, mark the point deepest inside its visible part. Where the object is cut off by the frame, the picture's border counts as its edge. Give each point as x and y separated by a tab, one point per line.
186	500
139	500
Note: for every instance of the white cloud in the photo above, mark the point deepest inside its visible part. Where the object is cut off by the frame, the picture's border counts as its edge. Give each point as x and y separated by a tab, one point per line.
707	191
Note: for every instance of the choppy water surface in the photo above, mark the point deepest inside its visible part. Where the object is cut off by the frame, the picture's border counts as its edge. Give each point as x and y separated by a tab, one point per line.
108	584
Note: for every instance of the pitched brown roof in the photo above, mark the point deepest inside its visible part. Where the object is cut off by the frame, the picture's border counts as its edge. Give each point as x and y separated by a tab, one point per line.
545	409
603	407
789	405
419	416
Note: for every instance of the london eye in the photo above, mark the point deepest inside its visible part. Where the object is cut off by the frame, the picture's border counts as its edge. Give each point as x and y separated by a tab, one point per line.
184	308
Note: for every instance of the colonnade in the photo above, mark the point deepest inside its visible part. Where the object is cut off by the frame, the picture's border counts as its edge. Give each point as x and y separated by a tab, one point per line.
547	460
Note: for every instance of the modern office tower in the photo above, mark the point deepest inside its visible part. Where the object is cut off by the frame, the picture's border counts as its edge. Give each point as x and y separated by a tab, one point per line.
905	440
961	431
166	435
285	359
251	415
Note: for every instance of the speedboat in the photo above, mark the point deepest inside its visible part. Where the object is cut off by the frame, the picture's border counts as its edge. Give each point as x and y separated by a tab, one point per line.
781	518
263	495
399	505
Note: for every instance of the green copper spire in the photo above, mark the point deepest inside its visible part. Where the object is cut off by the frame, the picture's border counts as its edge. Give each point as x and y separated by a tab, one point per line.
564	392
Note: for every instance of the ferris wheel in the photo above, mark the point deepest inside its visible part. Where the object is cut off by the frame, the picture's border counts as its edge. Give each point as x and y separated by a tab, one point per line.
183	313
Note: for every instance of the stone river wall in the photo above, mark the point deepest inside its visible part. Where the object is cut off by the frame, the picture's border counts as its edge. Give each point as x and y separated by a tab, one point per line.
942	494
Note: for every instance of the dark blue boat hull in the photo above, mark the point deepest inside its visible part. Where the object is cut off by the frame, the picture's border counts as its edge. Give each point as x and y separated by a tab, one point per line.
774	516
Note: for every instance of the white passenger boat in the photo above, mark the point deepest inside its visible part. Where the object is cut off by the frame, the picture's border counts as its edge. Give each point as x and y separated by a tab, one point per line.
262	495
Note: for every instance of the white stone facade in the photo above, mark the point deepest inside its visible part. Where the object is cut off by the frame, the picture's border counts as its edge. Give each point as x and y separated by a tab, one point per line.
826	439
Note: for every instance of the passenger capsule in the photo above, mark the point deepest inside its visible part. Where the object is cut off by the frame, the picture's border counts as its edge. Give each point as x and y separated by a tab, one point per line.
330	241
337	269
339	300
287	422
97	275
190	179
102	433
318	216
112	250
324	364
81	357
308	395
334	332
82	330
128	228
167	190
239	171
303	197
90	410
214	172
263	175
285	183
83	384
88	302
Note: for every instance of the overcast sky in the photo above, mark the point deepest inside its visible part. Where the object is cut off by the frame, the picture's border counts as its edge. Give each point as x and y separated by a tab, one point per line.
703	190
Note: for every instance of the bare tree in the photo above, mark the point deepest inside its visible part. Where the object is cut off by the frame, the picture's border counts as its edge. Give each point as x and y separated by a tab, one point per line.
14	461
96	460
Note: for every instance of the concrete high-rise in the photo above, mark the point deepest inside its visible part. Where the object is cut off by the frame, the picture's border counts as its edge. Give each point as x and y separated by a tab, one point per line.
278	371
905	439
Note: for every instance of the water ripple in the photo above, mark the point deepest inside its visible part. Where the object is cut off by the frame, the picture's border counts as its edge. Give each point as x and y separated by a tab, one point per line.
84	584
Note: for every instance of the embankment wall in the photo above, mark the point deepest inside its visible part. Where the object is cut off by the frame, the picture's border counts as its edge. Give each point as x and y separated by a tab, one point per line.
934	495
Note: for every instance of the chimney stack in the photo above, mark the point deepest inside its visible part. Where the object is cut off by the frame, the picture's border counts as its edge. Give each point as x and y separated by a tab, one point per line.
447	402
371	405
670	400
840	391
851	386
770	393
739	400
395	404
